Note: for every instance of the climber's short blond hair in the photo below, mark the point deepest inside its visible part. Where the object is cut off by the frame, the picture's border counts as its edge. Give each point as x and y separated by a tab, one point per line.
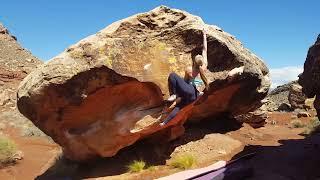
198	60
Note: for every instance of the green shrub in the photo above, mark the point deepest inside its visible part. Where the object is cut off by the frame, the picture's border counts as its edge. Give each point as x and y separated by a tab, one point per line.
185	161
296	123
7	150
136	166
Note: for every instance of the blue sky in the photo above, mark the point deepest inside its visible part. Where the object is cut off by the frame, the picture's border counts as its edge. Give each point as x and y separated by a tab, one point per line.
279	31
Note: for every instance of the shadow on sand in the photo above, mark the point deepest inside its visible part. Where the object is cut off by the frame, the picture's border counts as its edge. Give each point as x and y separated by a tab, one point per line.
294	159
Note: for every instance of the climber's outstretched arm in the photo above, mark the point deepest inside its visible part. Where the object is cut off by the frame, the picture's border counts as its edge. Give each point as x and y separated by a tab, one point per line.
205	49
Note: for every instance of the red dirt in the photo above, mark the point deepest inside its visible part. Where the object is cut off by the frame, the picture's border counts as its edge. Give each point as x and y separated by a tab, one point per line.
274	142
38	152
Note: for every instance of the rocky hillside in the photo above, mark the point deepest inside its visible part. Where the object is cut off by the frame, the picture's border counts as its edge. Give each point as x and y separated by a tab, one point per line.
279	96
16	63
288	97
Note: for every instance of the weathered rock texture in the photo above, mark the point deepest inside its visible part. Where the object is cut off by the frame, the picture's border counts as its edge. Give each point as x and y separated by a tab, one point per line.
16	63
296	97
303	114
310	78
106	92
255	118
287	97
279	96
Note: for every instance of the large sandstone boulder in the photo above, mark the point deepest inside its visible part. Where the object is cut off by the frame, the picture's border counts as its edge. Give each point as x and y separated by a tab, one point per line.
106	92
310	78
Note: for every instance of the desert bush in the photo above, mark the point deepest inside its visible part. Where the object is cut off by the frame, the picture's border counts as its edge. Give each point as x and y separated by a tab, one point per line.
185	161
313	127
296	123
136	166
151	168
7	150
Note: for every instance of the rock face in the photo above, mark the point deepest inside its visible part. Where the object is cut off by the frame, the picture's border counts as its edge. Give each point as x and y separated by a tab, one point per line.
296	97
106	92
285	107
310	78
256	118
303	114
279	96
287	97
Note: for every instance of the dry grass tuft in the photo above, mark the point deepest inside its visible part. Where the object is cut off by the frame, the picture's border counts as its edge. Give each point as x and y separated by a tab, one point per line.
136	166
313	127
7	151
296	123
185	161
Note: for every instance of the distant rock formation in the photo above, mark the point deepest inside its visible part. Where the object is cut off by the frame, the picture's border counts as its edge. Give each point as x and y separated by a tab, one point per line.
255	118
16	62
279	96
296	97
310	78
106	92
287	97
